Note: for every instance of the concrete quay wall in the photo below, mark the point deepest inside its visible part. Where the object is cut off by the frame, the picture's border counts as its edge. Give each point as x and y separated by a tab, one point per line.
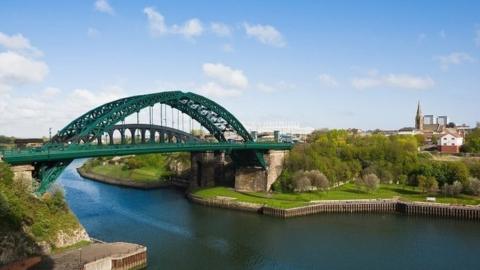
351	206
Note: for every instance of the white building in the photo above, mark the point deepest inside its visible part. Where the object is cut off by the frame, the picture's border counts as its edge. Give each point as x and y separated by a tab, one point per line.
450	142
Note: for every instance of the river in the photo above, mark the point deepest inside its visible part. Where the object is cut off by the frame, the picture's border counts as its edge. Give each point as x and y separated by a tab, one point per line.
182	235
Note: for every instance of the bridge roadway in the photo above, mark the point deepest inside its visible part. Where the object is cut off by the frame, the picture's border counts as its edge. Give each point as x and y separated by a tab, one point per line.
51	153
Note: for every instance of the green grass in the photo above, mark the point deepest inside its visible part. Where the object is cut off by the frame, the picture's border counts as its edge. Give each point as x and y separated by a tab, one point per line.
145	174
345	192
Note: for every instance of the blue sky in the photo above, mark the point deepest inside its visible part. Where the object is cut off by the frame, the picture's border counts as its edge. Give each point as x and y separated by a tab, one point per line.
335	64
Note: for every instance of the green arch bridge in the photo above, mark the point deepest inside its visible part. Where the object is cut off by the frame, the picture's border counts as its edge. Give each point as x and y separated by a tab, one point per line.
83	137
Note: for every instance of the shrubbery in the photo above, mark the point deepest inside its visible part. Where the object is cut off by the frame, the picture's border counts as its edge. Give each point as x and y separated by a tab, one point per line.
43	217
342	157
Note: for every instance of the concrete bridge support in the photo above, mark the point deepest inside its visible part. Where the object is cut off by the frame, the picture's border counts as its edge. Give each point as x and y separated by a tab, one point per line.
213	168
251	179
207	169
23	174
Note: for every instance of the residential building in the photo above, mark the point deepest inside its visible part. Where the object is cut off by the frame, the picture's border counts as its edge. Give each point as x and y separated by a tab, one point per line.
450	142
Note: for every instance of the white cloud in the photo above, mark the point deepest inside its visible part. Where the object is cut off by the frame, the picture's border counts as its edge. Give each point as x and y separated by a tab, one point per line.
191	28
18	66
158	27
266	34
16	69
18	43
213	89
409	81
93	32
455	58
221	29
20	113
226	75
51	91
401	81
156	21
327	80
103	6
279	86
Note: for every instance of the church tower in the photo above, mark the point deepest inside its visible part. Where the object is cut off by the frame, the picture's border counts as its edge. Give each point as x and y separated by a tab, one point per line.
419	118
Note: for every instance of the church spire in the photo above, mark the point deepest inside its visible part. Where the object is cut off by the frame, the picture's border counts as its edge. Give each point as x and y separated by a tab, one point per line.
419	118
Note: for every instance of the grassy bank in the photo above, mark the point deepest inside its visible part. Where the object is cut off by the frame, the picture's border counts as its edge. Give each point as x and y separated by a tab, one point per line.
144	174
38	219
346	192
148	168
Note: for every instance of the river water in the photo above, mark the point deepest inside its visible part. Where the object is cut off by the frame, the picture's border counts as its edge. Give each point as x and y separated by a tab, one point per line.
181	235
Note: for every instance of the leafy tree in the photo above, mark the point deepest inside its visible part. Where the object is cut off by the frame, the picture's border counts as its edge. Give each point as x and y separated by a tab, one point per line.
475	186
371	182
402	179
472	142
301	183
318	179
427	183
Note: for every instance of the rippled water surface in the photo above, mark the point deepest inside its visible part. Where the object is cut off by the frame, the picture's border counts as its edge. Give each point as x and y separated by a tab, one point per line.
181	235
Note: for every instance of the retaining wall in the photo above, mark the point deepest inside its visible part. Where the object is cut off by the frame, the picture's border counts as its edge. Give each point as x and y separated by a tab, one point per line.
351	206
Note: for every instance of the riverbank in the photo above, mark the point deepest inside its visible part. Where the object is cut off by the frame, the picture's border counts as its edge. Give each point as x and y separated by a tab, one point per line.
345	199
123	182
346	206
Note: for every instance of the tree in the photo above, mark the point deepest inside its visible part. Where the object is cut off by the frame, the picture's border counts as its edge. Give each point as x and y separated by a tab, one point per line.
371	182
457	188
318	179
427	183
472	142
402	179
451	125
475	186
302	183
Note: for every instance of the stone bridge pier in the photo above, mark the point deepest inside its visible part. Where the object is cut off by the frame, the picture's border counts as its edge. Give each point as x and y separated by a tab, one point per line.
215	168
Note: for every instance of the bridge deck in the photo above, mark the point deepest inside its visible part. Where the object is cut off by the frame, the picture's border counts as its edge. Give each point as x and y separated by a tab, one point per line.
69	152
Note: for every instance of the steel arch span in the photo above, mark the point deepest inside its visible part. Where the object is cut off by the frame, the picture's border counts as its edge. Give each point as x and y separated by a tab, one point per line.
216	119
83	136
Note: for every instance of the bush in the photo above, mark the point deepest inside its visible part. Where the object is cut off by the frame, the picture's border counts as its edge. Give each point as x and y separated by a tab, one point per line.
371	182
301	183
318	179
427	183
6	175
475	186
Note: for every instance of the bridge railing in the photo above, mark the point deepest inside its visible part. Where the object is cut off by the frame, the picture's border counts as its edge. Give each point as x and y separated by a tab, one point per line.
79	147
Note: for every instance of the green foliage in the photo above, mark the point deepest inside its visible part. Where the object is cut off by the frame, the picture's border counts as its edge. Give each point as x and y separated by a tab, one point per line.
341	156
6	139
6	175
472	142
445	172
475	186
42	217
142	168
427	183
370	182
473	166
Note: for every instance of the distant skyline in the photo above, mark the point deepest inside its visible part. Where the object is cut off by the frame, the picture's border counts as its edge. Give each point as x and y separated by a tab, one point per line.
320	64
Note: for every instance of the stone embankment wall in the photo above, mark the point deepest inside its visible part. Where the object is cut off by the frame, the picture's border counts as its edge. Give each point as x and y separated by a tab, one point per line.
351	206
226	203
